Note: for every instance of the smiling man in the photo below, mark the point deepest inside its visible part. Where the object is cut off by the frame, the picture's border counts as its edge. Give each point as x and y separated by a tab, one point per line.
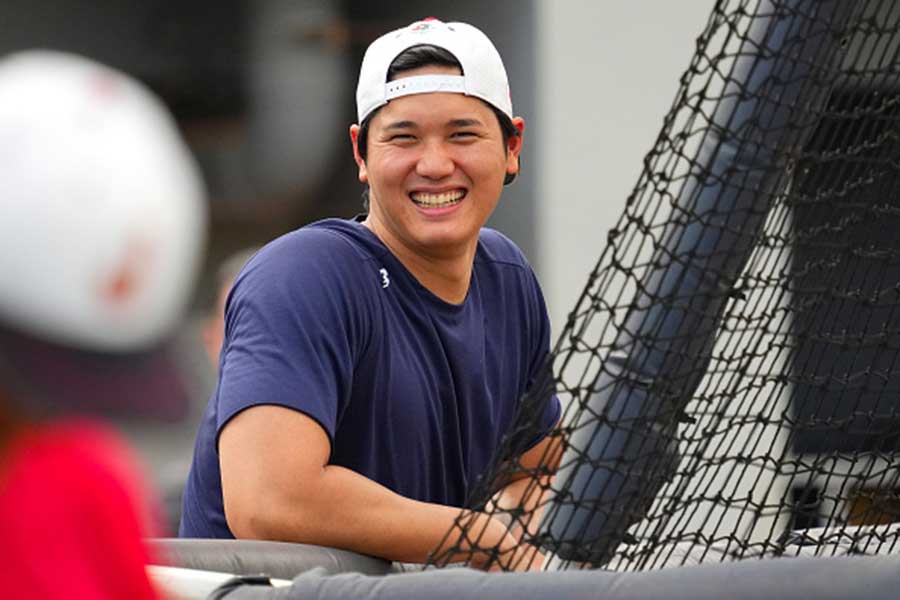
371	367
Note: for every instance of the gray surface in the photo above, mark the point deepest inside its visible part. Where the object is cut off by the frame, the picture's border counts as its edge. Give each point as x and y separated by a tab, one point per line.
251	557
872	578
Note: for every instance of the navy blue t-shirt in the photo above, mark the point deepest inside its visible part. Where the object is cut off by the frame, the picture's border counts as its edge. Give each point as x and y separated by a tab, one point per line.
413	392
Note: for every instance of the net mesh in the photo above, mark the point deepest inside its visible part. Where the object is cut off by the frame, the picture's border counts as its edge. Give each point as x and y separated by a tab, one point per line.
730	376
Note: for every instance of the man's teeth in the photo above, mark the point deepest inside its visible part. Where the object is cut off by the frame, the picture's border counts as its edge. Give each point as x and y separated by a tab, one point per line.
435	200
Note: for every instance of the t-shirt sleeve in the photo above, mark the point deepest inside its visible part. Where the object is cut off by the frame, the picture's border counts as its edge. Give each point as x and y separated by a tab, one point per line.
292	330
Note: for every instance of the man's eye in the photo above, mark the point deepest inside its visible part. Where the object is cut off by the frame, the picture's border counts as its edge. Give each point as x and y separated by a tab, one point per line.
463	134
400	137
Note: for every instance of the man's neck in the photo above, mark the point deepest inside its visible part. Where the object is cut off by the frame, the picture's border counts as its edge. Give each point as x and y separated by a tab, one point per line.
447	278
445	274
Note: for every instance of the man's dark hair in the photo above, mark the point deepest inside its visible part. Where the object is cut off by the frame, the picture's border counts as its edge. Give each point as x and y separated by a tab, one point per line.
426	55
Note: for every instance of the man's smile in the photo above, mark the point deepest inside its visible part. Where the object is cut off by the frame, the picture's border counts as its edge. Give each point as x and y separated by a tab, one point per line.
438	199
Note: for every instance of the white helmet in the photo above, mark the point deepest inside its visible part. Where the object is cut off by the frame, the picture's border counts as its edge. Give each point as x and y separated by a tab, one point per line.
102	217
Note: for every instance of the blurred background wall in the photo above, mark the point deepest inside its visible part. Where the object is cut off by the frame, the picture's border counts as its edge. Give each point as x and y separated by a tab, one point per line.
608	72
264	92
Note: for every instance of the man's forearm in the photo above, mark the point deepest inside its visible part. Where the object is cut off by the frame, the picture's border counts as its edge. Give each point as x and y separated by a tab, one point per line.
344	509
274	487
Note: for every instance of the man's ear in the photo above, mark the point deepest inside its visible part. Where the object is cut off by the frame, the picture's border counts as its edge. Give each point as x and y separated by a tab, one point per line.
514	146
360	163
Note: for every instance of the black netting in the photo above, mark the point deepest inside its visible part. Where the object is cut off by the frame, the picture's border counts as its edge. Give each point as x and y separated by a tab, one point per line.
730	374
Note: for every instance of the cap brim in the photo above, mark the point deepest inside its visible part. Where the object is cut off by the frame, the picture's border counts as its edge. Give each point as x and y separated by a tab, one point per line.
148	383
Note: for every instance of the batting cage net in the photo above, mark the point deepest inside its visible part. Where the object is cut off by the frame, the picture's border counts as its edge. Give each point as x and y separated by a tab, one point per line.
730	375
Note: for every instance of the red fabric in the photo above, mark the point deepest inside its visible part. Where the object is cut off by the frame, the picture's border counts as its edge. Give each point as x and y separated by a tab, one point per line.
72	516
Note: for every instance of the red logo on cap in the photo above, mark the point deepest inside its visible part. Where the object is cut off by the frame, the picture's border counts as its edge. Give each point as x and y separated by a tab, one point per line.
125	282
424	24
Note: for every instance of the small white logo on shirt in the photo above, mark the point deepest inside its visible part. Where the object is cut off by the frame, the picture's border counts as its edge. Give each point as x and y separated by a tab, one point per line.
385	280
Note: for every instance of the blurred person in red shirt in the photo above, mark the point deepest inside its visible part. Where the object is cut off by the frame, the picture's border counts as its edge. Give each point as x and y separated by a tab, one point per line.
103	221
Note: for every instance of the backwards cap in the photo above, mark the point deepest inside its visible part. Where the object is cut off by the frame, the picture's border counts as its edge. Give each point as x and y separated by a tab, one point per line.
483	73
103	222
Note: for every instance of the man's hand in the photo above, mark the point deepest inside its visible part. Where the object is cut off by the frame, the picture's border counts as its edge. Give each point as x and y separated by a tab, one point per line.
489	545
525	557
526	487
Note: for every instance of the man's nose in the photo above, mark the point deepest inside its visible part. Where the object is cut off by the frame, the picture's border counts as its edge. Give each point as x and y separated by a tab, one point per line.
435	162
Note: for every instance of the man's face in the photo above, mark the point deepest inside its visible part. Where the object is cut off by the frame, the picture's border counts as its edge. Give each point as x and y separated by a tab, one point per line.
435	169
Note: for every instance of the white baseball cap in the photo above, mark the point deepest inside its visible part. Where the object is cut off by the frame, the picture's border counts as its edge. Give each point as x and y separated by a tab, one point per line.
483	73
102	229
